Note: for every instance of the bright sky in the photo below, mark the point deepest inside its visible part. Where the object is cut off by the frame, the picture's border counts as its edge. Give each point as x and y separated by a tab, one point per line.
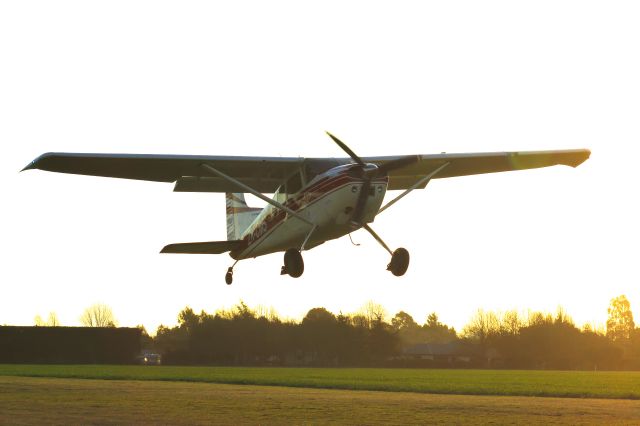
268	78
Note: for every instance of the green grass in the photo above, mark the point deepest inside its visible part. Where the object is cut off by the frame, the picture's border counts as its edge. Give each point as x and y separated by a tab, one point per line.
586	384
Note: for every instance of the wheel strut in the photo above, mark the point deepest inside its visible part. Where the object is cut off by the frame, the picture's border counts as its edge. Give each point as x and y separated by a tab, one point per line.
399	258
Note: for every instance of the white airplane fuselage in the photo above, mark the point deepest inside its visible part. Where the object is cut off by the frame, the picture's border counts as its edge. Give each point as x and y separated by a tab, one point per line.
328	201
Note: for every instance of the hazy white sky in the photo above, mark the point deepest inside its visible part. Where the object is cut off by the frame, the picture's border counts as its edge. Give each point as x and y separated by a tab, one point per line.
267	78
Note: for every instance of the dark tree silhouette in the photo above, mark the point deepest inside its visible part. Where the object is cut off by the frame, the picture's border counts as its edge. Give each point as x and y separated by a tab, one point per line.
242	336
403	321
437	332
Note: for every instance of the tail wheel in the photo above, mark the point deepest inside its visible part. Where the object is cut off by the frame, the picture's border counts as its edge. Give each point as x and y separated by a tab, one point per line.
399	262
293	263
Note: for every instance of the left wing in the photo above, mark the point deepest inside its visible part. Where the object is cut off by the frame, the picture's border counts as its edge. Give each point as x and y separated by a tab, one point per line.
264	174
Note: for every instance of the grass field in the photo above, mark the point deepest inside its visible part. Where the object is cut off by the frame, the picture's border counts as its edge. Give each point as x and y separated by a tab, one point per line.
581	384
28	400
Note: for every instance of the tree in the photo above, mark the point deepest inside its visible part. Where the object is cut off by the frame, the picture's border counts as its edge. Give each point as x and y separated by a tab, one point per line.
146	341
98	315
620	320
510	323
482	326
562	317
538	318
187	319
242	311
432	321
321	335
437	332
319	315
52	320
373	313
268	312
402	321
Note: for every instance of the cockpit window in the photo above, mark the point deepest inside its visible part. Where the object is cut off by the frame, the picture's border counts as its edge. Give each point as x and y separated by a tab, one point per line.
317	166
279	195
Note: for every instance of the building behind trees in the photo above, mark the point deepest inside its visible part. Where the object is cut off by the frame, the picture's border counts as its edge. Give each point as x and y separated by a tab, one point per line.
69	345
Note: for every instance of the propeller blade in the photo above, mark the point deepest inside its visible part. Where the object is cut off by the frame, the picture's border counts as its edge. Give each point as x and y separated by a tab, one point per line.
346	149
397	164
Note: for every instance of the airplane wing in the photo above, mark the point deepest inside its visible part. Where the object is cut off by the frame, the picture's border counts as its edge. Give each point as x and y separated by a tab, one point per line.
264	174
478	163
207	247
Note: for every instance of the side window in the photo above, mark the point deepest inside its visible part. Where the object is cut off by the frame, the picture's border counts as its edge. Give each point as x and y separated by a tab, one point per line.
280	196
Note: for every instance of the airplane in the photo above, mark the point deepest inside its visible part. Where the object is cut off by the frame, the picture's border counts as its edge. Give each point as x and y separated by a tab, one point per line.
315	199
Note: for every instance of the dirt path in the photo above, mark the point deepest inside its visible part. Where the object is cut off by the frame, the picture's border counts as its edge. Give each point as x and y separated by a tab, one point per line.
71	401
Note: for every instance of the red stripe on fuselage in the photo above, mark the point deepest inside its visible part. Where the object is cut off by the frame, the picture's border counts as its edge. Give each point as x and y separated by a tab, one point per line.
311	195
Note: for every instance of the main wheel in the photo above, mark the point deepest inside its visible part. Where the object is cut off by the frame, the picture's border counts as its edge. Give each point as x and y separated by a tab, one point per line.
399	262
228	278
293	263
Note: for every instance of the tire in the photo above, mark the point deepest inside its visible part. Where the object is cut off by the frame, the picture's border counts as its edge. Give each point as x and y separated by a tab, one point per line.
399	262
293	263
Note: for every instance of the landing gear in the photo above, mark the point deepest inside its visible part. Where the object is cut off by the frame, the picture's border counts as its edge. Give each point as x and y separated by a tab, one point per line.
228	278
399	258
399	262
293	263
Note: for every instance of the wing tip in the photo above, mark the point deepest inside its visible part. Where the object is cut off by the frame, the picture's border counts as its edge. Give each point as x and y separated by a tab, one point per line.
169	248
584	156
34	164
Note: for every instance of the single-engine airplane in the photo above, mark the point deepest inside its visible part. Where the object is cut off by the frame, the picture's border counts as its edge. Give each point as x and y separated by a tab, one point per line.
315	199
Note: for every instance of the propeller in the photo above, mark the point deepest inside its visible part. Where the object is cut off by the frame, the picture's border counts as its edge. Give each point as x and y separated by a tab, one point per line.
370	171
346	149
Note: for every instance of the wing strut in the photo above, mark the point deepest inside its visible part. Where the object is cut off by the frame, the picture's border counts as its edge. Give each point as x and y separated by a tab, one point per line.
424	180
304	243
258	194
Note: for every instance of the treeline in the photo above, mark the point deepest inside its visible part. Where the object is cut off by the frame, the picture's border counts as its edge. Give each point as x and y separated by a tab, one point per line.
546	341
242	336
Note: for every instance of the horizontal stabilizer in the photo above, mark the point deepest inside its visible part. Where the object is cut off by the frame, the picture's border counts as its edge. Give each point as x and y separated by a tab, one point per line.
207	247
